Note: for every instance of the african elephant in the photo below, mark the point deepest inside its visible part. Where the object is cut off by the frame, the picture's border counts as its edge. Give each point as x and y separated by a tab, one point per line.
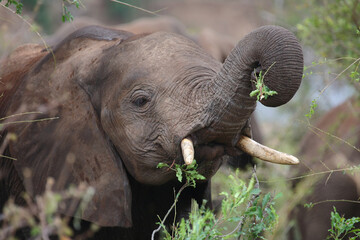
321	151
121	104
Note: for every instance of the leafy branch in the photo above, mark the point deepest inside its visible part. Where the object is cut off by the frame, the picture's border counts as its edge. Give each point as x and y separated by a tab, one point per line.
262	91
258	215
191	175
341	227
188	171
354	76
18	5
66	14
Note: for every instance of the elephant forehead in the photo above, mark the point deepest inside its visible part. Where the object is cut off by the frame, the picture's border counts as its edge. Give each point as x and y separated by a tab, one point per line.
163	56
164	49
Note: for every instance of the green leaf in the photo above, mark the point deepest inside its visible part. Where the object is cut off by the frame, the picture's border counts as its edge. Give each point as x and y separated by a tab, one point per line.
265	200
35	231
308	205
255	191
254	93
312	109
179	174
161	165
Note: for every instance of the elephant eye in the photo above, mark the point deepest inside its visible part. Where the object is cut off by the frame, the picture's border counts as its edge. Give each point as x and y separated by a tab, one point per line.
141	101
140	98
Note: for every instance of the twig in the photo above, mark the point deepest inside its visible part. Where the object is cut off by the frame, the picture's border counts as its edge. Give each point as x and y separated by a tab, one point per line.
138	8
42	218
169	211
335	200
336	137
323	90
313	174
31	28
251	202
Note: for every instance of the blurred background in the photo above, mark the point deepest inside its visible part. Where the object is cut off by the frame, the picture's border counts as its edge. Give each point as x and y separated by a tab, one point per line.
329	32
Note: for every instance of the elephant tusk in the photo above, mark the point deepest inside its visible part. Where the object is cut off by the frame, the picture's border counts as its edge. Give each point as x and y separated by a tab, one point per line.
265	153
187	148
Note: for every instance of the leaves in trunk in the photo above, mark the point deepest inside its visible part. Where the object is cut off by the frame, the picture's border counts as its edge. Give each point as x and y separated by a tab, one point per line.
262	91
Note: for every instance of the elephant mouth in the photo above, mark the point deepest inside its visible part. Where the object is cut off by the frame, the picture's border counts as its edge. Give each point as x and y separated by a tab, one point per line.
209	152
212	152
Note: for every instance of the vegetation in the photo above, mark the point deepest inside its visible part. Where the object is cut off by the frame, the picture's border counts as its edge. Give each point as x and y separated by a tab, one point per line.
330	28
342	227
18	5
242	206
41	214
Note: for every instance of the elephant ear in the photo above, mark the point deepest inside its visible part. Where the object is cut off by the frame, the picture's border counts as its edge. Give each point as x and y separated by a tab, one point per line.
64	139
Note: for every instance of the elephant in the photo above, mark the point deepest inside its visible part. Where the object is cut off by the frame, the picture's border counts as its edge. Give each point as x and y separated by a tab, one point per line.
320	152
106	106
217	45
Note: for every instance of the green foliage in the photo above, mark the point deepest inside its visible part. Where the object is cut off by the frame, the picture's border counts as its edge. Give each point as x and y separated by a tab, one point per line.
242	206
332	28
312	109
341	227
333	31
262	91
18	5
309	205
66	15
355	75
41	213
189	171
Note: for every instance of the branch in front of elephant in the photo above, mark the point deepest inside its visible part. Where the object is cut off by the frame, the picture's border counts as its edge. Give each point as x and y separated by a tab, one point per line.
240	225
33	29
348	169
41	214
341	227
311	204
12	119
30	121
191	175
333	136
9	137
161	224
138	8
189	171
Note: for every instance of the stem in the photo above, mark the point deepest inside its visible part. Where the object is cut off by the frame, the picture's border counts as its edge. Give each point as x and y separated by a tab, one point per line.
169	211
31	27
138	8
323	90
312	174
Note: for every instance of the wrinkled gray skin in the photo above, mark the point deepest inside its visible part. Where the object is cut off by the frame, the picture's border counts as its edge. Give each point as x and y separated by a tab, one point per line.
319	153
124	104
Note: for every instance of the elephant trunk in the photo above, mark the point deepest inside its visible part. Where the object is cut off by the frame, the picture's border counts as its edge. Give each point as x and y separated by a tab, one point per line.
269	49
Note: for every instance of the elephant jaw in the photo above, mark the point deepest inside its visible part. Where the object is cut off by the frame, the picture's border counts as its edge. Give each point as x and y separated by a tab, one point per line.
248	146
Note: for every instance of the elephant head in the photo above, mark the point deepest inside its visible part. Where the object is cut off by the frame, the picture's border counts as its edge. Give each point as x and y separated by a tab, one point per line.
123	103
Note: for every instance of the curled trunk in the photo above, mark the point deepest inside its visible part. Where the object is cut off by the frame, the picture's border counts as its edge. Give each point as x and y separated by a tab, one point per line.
269	48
